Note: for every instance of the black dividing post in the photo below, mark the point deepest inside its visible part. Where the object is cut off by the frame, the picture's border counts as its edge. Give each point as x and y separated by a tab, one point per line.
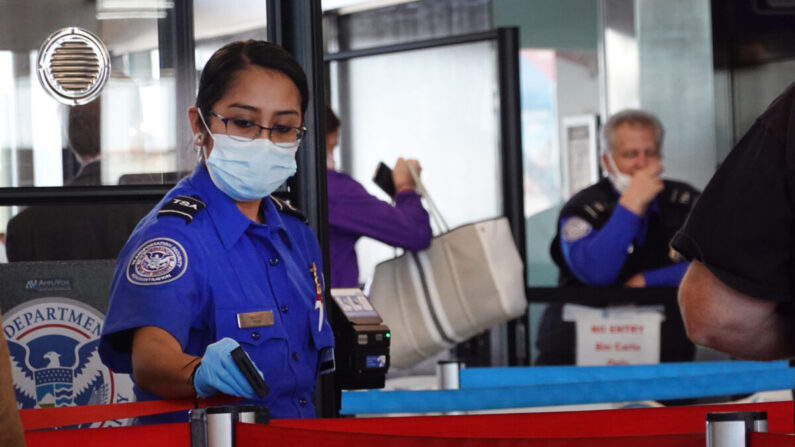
177	50
296	26
512	171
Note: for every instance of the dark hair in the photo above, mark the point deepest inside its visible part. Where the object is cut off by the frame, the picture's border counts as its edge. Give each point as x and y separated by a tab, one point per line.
332	122
220	70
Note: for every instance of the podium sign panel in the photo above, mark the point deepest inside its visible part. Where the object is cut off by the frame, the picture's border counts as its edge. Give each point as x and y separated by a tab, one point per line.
52	322
616	335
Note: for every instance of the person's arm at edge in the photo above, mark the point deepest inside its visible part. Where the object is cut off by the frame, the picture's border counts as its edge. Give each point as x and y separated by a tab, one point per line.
160	366
11	433
719	317
670	275
405	225
408	200
597	259
421	232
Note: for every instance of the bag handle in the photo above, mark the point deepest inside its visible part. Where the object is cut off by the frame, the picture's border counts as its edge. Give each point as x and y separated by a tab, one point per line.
434	211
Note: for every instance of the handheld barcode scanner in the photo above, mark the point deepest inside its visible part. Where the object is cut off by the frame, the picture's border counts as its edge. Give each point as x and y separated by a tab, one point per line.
250	372
362	342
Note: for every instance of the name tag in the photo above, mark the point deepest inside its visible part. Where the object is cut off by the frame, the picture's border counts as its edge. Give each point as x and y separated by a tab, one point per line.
255	319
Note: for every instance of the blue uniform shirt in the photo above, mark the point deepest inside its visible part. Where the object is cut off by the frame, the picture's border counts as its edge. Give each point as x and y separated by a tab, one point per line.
596	257
193	278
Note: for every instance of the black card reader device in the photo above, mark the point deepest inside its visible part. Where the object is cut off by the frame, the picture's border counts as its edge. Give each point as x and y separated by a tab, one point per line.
250	372
362	342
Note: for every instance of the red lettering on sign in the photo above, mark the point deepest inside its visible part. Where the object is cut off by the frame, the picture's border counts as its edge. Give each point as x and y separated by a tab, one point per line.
598	329
626	329
624	347
602	346
617	362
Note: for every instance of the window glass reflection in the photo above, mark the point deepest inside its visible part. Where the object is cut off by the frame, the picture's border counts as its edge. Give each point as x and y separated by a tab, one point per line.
405	22
132	134
132	131
216	24
71	231
437	105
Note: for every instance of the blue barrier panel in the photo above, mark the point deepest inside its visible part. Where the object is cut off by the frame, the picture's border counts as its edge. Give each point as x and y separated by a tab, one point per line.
375	402
536	375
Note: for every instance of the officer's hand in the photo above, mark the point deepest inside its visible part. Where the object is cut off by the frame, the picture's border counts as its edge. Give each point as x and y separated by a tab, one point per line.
219	373
637	280
401	175
644	187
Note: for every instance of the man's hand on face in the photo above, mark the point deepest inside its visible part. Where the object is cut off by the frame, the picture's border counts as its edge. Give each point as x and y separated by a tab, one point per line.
644	187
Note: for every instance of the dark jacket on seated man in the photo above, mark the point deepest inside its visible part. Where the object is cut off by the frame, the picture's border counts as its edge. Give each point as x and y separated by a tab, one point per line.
649	253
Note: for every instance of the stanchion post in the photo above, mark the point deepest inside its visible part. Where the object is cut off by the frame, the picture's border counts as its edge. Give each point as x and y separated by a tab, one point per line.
221	426
760	421
198	427
733	429
253	414
447	371
215	426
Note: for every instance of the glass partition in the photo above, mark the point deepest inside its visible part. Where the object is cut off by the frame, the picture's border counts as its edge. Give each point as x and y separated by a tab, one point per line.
438	105
128	129
388	23
136	132
649	53
556	86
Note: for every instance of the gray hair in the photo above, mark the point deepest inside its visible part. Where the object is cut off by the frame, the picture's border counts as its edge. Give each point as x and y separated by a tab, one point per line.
632	116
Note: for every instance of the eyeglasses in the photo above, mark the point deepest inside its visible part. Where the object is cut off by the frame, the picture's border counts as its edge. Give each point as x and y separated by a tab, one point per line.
247	130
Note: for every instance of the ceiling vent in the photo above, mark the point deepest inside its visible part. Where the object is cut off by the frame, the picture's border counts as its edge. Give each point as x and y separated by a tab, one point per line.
73	66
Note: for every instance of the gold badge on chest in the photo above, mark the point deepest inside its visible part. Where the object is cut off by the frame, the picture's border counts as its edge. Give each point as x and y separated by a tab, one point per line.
255	319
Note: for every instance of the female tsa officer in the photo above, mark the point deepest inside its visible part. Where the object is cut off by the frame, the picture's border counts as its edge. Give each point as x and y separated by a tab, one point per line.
219	263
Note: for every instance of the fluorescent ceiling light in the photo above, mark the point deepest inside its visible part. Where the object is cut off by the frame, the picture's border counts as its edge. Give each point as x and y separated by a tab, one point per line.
123	15
132	9
138	5
351	6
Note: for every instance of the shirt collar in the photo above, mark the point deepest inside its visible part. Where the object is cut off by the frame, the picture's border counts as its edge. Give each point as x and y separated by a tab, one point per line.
273	218
227	218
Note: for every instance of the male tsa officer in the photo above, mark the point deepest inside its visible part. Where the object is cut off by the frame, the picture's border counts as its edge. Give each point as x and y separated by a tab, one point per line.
617	233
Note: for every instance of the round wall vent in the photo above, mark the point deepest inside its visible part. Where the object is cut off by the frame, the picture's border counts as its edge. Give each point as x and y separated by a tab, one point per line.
73	66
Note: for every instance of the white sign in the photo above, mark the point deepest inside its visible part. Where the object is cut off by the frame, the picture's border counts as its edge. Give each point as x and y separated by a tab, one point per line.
618	335
580	159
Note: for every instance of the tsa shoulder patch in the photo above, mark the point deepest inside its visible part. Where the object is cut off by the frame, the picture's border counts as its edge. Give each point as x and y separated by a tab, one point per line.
157	261
575	229
185	207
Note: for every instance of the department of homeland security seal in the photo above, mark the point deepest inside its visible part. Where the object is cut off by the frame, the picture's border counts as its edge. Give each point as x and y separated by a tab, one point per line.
54	359
157	261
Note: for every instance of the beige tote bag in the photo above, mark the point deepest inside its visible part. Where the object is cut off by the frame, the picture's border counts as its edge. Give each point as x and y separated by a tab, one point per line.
470	279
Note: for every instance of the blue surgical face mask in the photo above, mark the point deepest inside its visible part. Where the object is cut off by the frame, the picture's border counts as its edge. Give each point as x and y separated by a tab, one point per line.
249	170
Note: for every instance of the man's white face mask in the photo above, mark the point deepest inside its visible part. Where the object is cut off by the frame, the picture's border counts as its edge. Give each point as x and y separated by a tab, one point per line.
619	180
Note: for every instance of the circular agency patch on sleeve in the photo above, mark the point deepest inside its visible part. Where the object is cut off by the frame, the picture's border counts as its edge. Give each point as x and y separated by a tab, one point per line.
157	261
575	229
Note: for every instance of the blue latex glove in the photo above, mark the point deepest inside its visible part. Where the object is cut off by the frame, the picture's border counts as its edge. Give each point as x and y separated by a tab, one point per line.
219	373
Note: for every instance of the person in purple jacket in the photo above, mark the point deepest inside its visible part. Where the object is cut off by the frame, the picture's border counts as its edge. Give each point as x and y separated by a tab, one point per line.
353	213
